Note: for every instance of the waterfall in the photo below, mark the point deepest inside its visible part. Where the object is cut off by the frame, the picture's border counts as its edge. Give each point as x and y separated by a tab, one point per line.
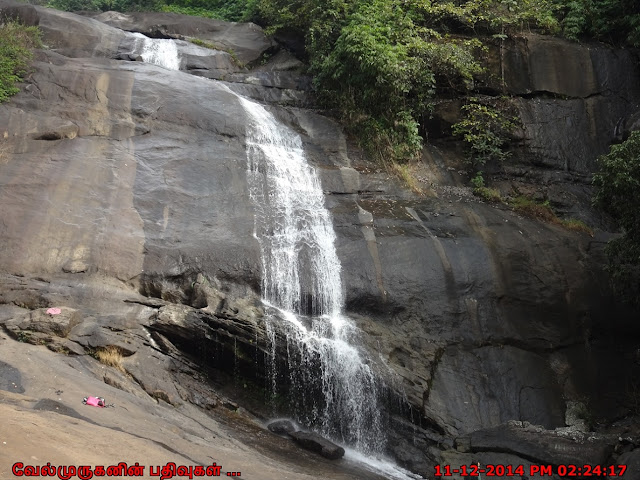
302	288
159	51
335	389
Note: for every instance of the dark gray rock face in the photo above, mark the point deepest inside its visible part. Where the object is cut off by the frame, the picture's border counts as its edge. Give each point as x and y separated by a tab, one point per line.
573	99
125	198
528	393
536	444
632	462
11	379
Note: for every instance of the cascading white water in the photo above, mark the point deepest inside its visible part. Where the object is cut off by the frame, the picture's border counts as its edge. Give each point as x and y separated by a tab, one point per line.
159	51
302	285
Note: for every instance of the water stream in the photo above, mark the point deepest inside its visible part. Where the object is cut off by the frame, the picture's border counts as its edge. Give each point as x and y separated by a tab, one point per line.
159	51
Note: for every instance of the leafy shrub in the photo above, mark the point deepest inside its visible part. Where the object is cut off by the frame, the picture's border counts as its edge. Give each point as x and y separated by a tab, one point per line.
485	130
616	21
486	193
105	5
230	10
16	50
378	64
617	185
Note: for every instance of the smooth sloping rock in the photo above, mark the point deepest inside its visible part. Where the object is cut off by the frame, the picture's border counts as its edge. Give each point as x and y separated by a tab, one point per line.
49	405
317	443
67	33
10	378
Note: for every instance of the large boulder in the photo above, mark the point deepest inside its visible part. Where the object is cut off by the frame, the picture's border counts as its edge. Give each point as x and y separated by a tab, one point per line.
317	443
58	323
66	33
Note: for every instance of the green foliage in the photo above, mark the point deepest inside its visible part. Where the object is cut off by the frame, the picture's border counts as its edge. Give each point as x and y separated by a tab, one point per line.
616	21
16	50
230	10
378	63
617	186
485	130
105	5
477	181
486	193
502	16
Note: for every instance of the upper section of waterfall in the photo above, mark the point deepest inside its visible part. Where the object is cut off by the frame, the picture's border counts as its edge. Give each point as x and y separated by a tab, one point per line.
159	51
301	272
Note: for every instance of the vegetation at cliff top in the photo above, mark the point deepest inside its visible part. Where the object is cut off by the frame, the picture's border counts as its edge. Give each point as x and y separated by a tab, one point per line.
618	184
378	63
16	46
230	10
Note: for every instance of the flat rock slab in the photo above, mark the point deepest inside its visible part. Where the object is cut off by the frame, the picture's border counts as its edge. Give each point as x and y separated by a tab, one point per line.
316	443
39	320
544	446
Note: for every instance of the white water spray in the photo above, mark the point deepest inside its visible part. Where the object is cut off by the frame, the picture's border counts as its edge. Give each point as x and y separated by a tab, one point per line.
159	51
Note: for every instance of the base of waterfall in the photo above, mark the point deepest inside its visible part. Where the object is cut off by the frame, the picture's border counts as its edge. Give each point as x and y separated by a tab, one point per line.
308	440
381	466
318	444
41	406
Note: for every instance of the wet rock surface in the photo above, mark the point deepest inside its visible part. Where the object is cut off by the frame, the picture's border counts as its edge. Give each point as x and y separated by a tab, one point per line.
316	443
125	204
281	427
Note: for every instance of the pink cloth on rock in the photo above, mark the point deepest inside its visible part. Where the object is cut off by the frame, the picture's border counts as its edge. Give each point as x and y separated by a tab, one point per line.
95	401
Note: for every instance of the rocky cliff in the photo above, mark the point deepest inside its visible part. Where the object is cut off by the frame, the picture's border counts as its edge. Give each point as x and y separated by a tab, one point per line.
125	202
